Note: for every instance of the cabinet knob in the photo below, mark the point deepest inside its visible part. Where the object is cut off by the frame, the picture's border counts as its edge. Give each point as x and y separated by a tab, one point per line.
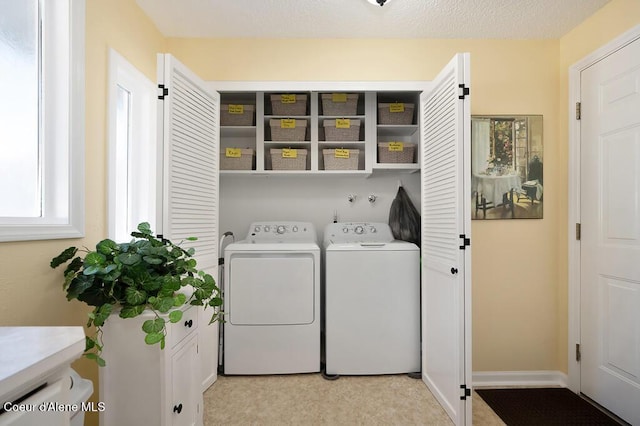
454	271
188	323
177	408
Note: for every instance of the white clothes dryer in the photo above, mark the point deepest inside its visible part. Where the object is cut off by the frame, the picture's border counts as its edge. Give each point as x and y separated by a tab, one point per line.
371	301
272	300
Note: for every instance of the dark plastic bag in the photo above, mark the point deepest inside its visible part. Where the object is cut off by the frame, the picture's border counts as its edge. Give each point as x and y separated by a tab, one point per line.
404	219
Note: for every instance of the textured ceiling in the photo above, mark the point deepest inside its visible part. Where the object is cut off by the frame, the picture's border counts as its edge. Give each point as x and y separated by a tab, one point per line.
505	19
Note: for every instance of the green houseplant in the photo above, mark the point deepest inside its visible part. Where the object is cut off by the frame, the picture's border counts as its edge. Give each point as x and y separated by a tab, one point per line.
146	273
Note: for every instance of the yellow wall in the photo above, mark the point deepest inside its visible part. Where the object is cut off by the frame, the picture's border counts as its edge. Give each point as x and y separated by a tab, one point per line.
30	291
514	262
611	21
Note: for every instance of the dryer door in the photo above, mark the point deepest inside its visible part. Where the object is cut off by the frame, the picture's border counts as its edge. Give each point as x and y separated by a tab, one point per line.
271	288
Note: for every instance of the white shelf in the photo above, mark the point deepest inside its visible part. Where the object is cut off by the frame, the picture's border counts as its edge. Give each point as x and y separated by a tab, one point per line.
397	166
391	130
237	131
371	132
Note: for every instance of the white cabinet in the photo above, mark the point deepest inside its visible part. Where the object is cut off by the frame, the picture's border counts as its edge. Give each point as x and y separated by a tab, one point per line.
35	374
342	131
142	384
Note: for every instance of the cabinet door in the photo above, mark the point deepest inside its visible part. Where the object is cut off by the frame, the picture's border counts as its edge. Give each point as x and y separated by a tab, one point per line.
446	260
185	404
189	126
189	136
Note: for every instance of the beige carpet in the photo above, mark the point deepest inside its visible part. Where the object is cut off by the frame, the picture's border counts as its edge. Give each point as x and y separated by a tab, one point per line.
308	399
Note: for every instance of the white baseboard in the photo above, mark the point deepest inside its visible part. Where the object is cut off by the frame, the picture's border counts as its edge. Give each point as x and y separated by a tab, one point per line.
488	379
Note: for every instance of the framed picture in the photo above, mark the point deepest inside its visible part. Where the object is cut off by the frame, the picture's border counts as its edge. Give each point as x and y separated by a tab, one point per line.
506	167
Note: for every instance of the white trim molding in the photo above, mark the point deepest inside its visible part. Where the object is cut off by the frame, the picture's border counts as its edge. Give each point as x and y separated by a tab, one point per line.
62	125
574	195
521	379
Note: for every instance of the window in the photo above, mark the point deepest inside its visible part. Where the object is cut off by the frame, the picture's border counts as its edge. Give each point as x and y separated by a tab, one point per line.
41	119
132	149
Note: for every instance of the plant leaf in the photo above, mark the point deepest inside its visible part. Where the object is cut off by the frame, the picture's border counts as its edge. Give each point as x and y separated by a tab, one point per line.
175	316
63	257
109	268
74	266
89	343
151	284
132	311
164	304
91	270
153	326
145	228
102	313
101	362
153	260
107	247
153	338
216	301
135	296
94	259
179	299
129	259
78	286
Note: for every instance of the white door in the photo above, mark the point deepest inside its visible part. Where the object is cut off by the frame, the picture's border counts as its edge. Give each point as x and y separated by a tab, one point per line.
189	134
446	222
610	241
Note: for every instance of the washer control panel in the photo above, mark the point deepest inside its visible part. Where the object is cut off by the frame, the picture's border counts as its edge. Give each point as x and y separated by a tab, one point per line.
358	232
266	232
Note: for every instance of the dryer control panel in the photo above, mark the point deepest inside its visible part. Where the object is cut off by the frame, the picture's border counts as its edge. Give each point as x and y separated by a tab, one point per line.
357	232
295	232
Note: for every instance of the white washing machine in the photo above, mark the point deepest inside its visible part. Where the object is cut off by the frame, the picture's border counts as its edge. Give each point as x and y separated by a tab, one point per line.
272	300
372	301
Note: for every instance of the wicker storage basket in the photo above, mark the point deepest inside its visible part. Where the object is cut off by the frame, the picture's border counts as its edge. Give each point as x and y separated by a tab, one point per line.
406	155
283	107
278	162
237	115
331	162
333	133
387	113
279	133
244	162
336	104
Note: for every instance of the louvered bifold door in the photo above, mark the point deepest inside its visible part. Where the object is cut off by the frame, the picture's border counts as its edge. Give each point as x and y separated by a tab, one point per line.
446	272
190	135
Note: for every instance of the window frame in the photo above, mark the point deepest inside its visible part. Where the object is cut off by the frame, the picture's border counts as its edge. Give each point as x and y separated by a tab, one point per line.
132	198
62	125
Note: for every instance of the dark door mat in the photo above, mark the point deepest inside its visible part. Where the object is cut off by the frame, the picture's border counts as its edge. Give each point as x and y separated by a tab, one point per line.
543	406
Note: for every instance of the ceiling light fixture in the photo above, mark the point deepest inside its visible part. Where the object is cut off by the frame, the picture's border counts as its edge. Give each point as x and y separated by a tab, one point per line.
377	2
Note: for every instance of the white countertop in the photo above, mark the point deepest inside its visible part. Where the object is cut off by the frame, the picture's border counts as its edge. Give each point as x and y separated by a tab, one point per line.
29	354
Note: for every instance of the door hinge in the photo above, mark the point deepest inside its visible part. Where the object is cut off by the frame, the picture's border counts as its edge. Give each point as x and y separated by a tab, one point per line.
162	91
465	392
578	231
578	354
465	91
465	241
578	110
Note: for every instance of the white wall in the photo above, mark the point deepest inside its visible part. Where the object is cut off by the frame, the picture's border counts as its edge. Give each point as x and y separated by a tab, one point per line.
313	198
